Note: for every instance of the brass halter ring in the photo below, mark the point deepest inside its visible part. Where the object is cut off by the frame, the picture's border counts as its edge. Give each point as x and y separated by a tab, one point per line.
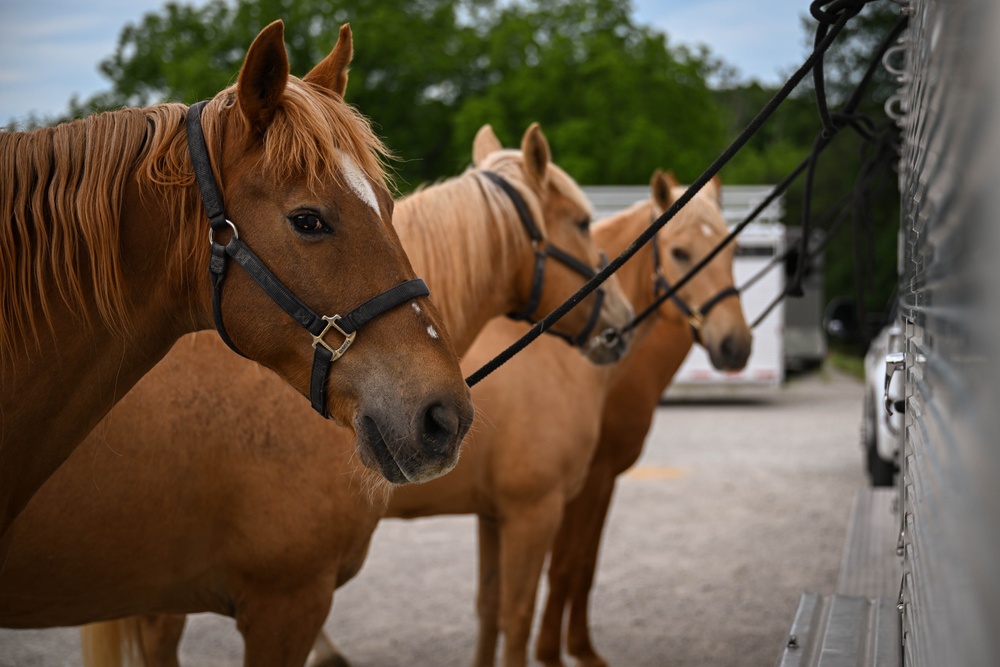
331	323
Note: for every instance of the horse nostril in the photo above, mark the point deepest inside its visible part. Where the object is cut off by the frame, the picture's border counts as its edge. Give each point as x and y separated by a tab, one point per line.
440	428
727	348
733	353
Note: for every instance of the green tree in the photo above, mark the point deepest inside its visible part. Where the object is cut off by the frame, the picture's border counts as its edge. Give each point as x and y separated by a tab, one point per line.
860	260
615	101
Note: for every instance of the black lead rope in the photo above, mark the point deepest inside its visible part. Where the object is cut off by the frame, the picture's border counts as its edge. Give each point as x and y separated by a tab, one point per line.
318	326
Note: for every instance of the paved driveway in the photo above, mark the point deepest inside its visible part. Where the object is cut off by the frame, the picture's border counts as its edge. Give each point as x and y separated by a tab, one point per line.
736	507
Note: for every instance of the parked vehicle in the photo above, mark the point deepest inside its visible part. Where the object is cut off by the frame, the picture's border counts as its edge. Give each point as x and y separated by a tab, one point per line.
882	416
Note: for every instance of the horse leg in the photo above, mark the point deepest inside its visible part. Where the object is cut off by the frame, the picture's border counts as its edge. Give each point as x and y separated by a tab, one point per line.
159	636
548	646
325	653
488	595
571	571
593	515
279	628
525	538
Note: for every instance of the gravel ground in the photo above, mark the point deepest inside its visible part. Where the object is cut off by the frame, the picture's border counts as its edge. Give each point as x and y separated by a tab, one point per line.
737	506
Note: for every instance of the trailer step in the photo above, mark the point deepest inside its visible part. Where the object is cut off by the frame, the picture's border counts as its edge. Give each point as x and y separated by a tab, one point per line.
870	566
842	631
859	625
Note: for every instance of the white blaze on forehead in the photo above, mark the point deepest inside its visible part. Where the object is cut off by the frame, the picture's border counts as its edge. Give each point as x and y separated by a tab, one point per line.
357	181
706	229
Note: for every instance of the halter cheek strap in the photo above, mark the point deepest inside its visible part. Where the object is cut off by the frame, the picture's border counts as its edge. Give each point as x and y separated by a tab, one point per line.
695	315
318	326
556	253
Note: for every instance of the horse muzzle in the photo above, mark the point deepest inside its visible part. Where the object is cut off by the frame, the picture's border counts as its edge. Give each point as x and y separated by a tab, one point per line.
607	347
413	450
730	353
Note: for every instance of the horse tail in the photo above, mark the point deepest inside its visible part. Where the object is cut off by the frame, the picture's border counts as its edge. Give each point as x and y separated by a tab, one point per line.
112	644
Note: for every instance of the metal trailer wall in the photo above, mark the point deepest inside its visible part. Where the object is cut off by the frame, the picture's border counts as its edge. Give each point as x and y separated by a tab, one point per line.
950	304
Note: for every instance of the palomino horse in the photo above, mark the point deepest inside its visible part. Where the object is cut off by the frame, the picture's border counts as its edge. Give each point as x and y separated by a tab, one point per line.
103	254
270	510
635	392
541	414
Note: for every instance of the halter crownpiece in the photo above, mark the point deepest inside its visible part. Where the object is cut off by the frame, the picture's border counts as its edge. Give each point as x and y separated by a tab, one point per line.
318	326
556	253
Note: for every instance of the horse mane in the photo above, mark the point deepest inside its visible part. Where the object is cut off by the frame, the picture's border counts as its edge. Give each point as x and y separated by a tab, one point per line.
436	225
452	228
64	190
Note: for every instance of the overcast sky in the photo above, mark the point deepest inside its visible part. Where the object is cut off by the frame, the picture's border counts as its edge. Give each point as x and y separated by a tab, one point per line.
50	49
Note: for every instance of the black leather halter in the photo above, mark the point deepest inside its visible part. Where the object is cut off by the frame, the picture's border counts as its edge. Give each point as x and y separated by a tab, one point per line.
541	253
695	315
317	325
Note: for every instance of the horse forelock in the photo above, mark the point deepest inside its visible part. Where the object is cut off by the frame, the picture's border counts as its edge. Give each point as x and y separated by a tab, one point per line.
703	209
311	133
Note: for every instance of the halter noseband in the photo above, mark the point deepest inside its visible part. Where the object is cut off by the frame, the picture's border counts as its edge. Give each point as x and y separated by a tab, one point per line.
318	326
695	315
556	253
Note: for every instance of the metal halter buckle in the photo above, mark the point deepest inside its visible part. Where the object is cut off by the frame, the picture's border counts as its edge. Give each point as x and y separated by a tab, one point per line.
696	319
331	322
211	232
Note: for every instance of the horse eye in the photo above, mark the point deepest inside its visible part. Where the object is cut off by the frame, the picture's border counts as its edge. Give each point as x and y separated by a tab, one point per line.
584	224
680	254
308	223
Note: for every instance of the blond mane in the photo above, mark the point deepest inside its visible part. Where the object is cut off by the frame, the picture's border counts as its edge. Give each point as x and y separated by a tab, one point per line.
454	228
64	188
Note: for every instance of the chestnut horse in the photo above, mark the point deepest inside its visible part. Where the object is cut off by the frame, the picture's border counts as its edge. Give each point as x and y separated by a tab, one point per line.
270	510
541	414
103	254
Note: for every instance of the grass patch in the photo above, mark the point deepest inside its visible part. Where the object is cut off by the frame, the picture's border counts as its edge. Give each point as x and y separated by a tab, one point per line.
851	364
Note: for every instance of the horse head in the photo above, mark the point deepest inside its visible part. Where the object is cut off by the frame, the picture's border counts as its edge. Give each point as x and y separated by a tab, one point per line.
708	301
301	176
562	216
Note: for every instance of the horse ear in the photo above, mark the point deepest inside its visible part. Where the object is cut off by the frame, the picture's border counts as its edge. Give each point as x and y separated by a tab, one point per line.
535	148
331	72
714	189
263	76
486	142
661	186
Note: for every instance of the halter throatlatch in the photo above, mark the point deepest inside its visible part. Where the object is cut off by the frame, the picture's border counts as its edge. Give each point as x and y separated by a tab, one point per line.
556	253
695	315
318	326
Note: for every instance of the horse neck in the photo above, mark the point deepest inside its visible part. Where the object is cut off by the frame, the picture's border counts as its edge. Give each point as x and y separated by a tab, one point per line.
470	259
